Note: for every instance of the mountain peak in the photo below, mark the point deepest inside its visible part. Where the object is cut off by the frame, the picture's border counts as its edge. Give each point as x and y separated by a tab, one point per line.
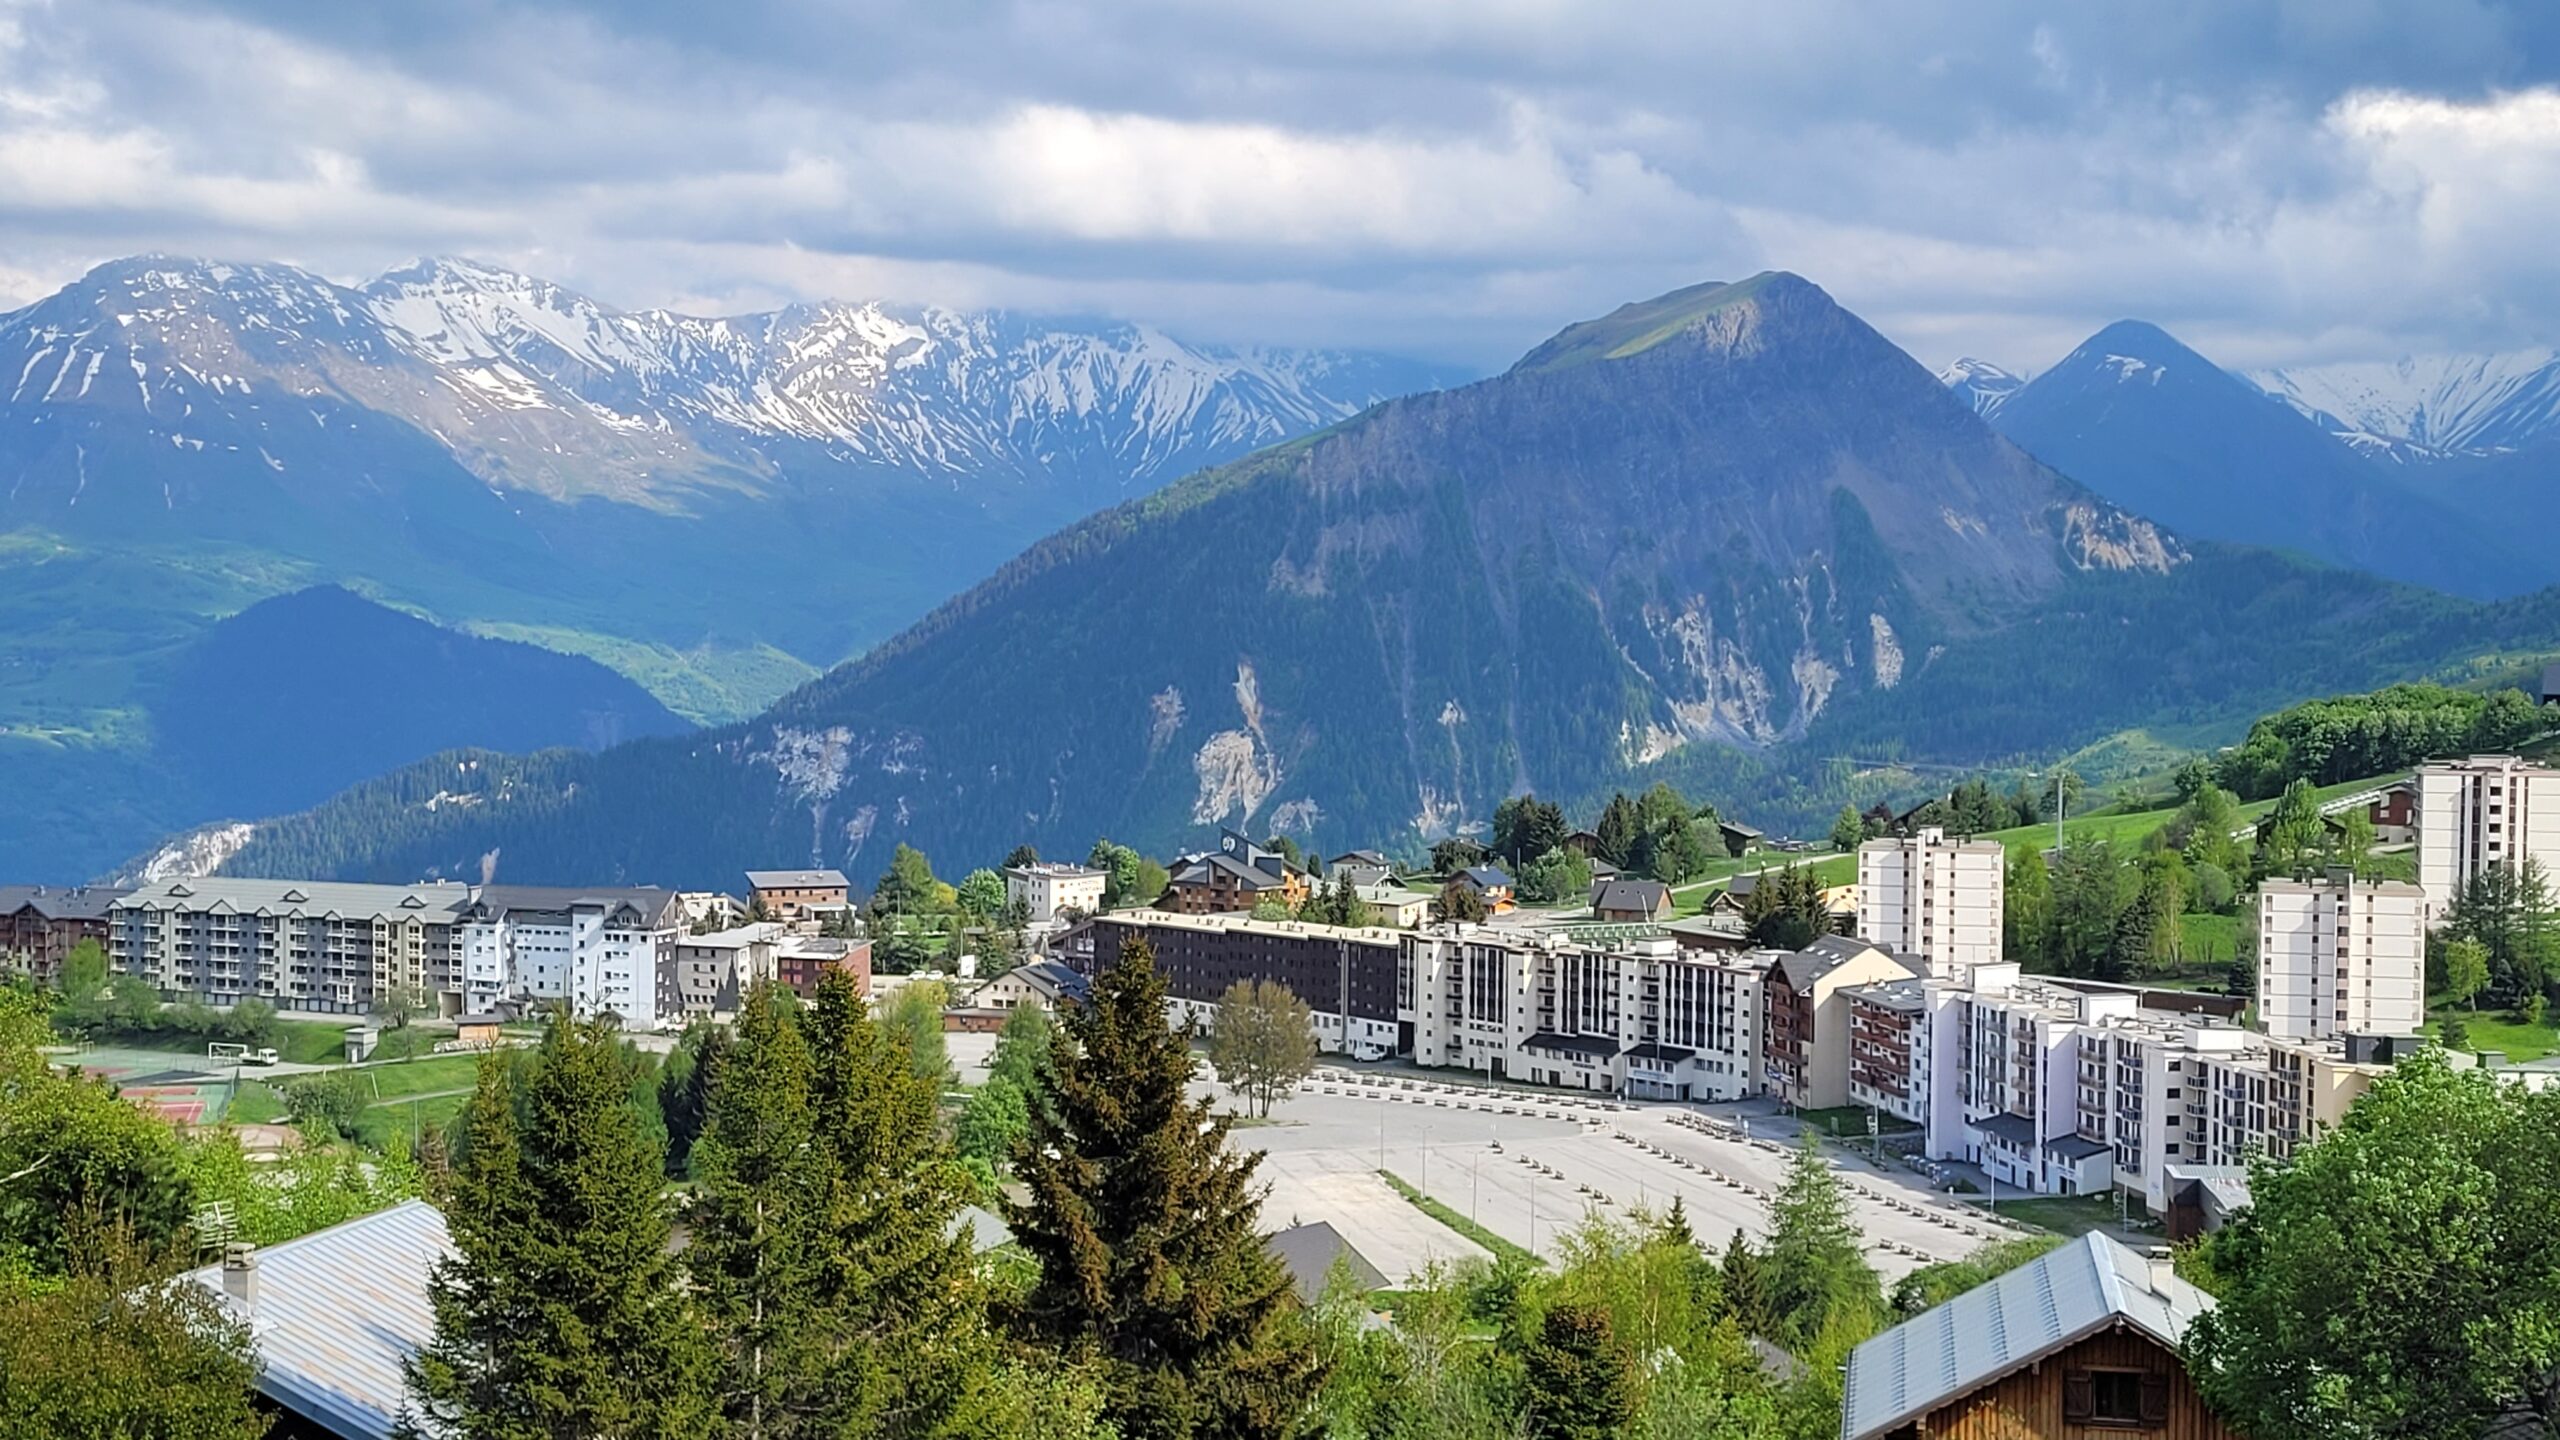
1640	325
1979	383
2140	340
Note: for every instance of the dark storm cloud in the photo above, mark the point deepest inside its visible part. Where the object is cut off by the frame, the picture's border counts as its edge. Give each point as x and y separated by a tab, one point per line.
2275	180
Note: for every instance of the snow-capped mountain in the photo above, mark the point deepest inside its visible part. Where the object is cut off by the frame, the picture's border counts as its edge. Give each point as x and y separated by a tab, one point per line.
1981	384
2429	405
534	387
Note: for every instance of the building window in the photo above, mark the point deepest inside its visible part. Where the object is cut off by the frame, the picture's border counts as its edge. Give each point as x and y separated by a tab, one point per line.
2126	1399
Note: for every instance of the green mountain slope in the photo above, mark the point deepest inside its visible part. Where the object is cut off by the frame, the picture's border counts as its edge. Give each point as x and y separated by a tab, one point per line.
1725	535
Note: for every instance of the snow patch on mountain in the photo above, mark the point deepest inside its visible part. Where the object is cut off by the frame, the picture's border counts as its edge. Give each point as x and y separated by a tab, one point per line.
2422	406
1981	384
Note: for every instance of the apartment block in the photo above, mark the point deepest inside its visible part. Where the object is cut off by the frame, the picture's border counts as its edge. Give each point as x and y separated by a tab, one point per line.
2479	812
2339	955
1806	1019
1646	1017
602	951
1889	1054
801	961
1048	891
1933	897
1346	975
296	944
708	976
39	924
799	894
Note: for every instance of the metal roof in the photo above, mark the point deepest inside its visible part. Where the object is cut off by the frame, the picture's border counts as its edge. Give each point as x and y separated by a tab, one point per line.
2002	1326
796	879
1646	896
438	903
337	1312
61	902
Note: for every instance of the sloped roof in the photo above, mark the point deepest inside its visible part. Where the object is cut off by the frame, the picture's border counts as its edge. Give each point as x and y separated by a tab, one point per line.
61	902
2006	1324
1308	1253
336	1313
438	903
1485	876
1826	954
1646	896
1590	1045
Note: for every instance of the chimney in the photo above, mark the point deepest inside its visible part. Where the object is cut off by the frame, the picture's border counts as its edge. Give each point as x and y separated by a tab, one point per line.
240	1276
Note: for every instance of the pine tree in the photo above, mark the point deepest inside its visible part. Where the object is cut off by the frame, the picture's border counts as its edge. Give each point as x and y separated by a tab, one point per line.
1816	1270
902	1300
1745	1298
1144	1227
1581	1379
559	1313
1617	829
756	1219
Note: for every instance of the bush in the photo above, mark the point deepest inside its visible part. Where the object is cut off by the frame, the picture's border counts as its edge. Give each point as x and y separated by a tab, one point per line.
336	1101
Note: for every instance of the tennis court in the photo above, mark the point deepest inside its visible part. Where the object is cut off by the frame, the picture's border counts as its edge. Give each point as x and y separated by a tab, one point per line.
180	1088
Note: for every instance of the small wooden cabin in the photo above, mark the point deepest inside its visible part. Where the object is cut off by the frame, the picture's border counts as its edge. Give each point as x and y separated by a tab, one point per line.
2081	1344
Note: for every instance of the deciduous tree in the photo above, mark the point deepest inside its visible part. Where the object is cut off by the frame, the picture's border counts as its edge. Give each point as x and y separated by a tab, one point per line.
1262	1041
2439	1186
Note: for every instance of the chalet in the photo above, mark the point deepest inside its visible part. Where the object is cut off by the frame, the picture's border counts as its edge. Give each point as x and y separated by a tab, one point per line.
1490	883
2395	814
1238	875
1740	839
1631	902
1585	843
1603	870
1736	893
1363	868
1043	985
2080	1344
1367	859
1395	906
40	924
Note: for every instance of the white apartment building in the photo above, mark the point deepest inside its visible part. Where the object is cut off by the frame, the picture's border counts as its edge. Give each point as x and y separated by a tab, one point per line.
1644	1018
1047	890
1933	897
2338	955
602	951
1889	1054
296	944
2483	811
2004	1078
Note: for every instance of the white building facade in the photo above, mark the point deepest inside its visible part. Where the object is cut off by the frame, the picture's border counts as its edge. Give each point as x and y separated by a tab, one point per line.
1047	890
2339	955
1933	897
2480	812
603	951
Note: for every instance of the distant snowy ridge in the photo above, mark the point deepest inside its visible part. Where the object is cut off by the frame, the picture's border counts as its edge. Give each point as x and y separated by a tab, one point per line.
536	387
2429	405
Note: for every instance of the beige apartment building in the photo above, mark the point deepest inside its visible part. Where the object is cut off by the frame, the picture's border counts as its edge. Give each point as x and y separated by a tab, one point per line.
2338	955
1932	897
2480	812
1806	1018
297	944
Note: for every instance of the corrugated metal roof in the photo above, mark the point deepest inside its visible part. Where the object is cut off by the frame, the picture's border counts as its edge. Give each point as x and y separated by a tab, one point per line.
336	1313
2051	1302
797	879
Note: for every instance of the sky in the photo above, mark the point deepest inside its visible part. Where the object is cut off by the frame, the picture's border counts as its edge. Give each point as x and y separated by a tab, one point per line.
2276	181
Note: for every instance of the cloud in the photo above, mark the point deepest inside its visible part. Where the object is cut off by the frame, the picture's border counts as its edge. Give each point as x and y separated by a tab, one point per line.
2276	180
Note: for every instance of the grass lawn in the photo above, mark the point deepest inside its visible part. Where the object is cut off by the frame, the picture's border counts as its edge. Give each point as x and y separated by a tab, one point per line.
2498	1030
2062	1214
1850	1121
2210	942
258	1103
423	1077
313	1042
1692	897
395	1117
1499	1247
2126	828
